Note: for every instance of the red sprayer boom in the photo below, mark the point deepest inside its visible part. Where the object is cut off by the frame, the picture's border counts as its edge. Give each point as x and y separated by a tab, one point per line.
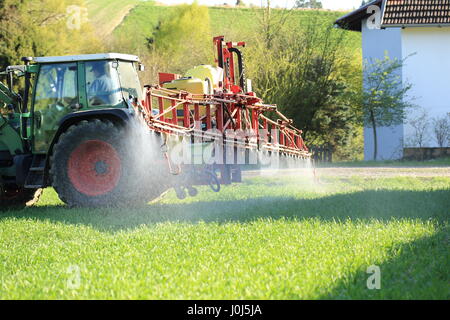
217	105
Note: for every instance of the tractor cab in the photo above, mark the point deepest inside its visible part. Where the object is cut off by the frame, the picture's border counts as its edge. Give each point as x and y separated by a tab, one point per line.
42	98
56	87
87	81
73	84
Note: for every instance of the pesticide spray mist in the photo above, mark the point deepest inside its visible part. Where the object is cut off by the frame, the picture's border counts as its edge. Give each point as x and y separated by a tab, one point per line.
278	165
147	151
157	158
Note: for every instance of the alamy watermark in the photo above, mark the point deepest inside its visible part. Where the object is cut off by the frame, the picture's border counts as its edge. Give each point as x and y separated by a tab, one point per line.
374	280
76	17
374	21
74	277
235	147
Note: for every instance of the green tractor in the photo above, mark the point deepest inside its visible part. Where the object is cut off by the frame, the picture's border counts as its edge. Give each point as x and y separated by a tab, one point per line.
69	128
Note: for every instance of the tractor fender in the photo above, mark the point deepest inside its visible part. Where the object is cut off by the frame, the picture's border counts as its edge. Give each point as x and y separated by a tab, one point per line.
115	115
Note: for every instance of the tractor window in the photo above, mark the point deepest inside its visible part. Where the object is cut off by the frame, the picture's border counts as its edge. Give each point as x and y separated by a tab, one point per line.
102	83
56	89
56	95
129	80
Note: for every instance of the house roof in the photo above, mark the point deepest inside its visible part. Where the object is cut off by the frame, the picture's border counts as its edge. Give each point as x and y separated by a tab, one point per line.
401	13
352	20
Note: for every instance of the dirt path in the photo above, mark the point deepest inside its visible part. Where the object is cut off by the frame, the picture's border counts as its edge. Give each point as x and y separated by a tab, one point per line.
106	20
121	15
361	172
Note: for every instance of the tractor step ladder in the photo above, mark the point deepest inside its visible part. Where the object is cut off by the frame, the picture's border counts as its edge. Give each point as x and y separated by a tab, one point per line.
36	175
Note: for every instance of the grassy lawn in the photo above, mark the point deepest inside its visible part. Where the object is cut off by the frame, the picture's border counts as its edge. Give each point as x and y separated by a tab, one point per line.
268	238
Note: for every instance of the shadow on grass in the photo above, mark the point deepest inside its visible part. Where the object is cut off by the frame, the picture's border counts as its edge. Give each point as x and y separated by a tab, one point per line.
421	270
372	204
417	270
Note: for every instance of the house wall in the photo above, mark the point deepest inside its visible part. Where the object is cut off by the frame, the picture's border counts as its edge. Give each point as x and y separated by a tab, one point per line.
376	44
428	70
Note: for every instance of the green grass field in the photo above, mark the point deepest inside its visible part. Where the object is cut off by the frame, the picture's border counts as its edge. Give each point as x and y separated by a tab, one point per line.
268	238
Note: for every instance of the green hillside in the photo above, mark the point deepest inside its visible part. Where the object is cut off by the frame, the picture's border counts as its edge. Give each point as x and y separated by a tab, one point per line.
141	20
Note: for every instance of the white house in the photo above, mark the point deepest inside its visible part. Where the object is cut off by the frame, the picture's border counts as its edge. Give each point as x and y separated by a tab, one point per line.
419	29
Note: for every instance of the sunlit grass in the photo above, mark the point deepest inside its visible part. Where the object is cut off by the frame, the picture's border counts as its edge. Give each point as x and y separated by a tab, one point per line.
268	238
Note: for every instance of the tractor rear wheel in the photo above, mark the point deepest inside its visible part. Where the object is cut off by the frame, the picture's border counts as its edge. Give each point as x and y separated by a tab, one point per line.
93	165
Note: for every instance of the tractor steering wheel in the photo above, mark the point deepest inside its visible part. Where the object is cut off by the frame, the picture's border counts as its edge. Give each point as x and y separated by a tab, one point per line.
96	101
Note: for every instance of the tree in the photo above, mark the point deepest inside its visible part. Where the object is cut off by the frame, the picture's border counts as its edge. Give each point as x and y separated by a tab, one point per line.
385	99
307	71
420	125
271	23
312	4
182	39
441	129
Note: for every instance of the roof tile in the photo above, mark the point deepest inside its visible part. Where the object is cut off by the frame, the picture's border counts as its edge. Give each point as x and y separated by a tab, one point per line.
414	12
